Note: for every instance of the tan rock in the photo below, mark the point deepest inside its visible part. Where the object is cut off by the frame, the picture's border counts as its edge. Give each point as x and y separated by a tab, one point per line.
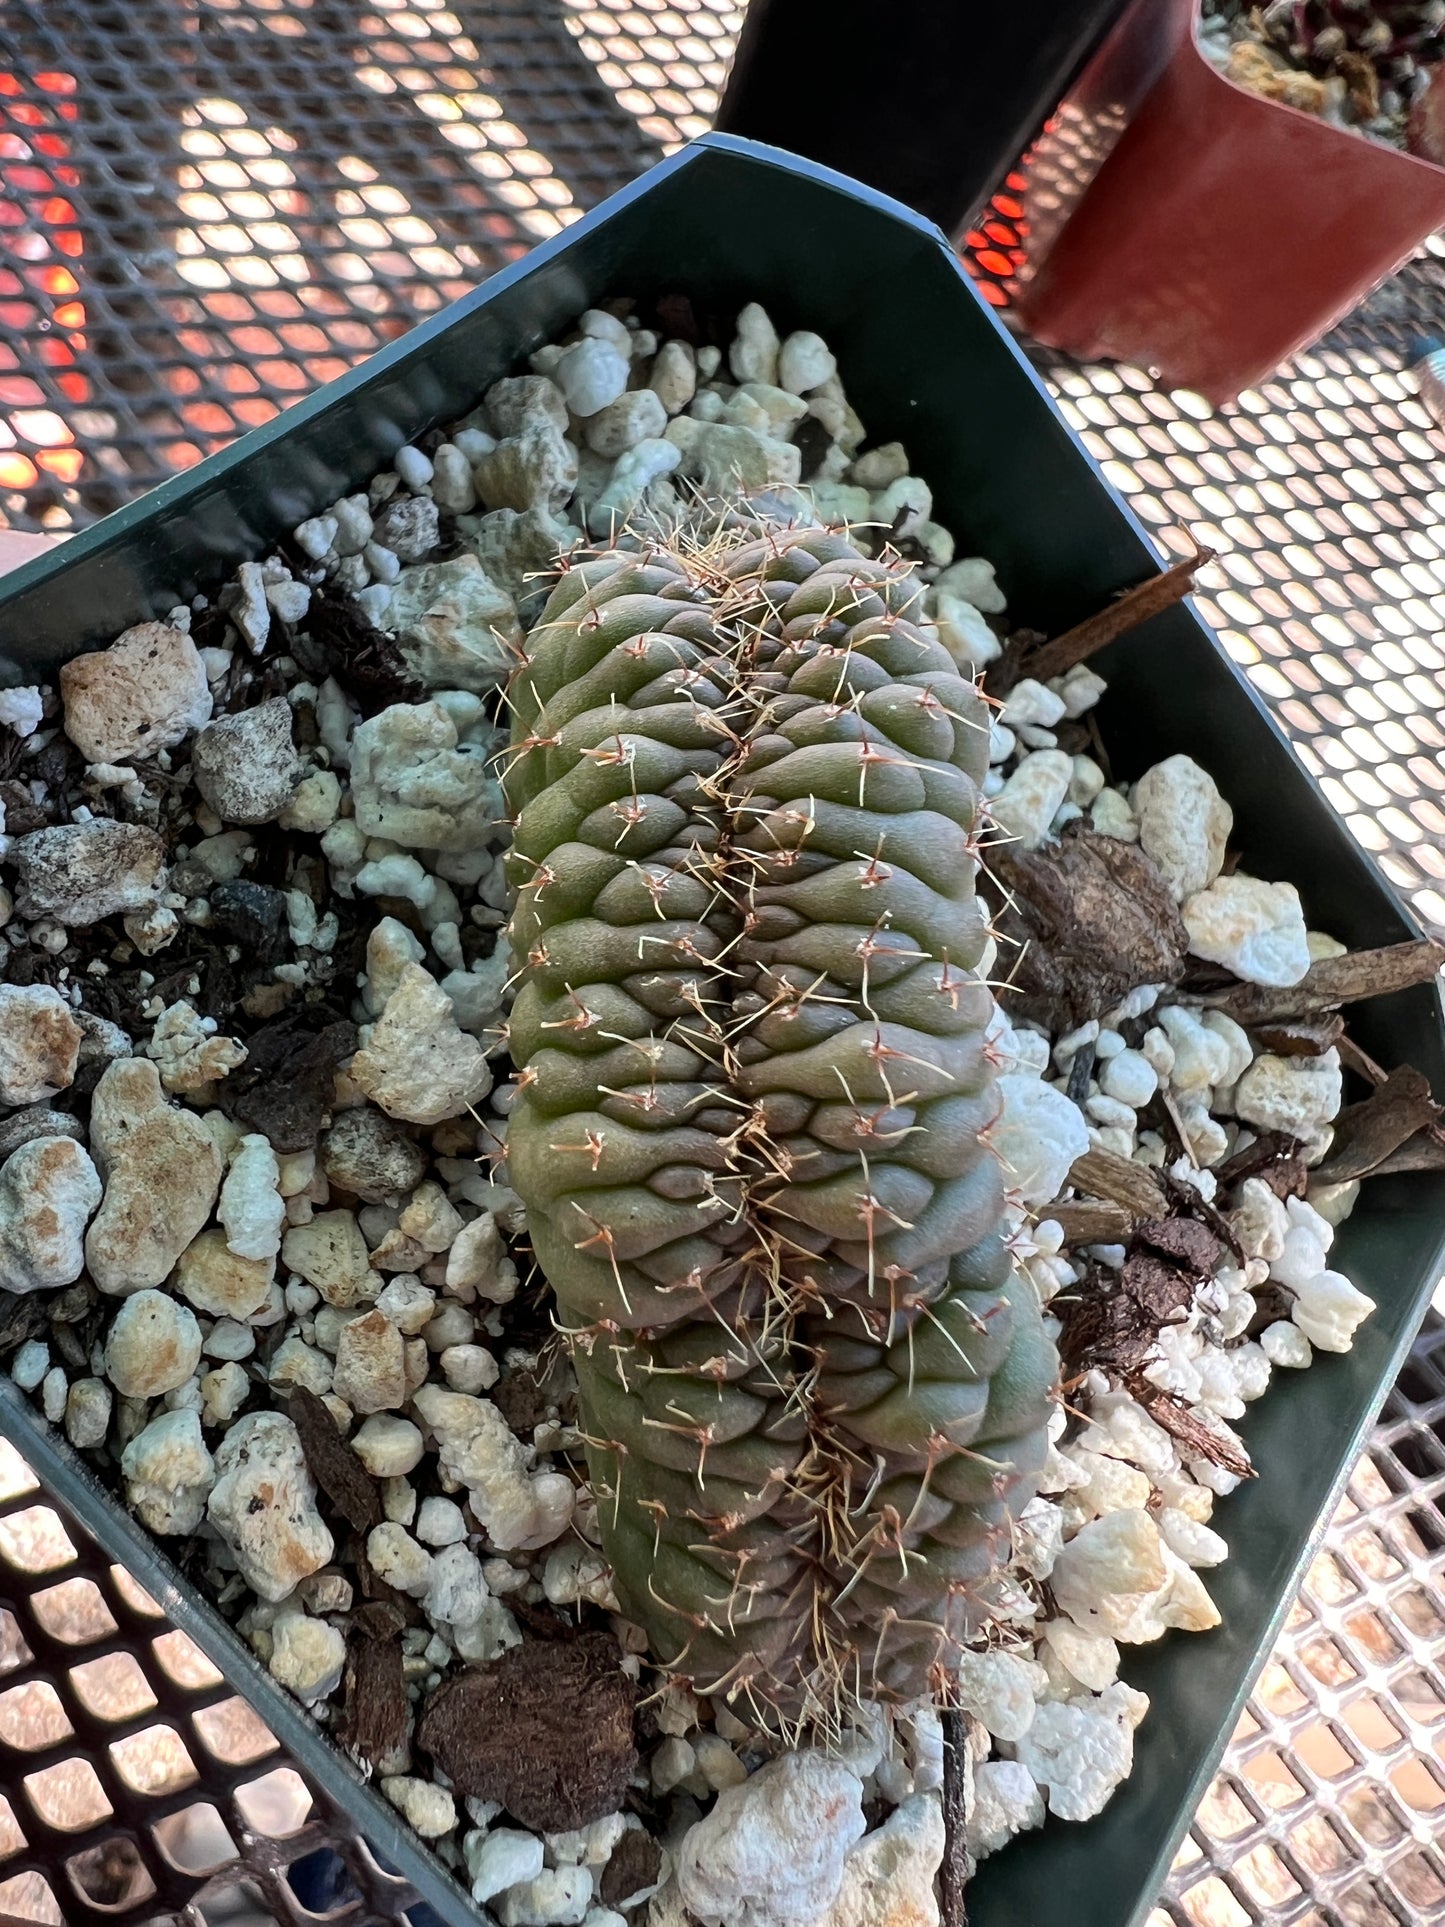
88	1407
416	783
146	692
371	1365
456	627
1254	928
48	1190
153	1346
431	1218
39	1039
369	1154
211	1277
168	1473
246	765
478	1265
888	1875
297	1363
189	1055
1184	824
161	1170
331	1254
773	1849
307	1655
264	1505
417	1064
81	872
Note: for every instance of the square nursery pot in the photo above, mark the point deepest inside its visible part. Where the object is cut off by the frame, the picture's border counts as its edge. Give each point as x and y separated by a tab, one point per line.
924	361
1222	232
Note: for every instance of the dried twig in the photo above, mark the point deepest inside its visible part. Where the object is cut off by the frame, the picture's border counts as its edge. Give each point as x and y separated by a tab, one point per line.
1192	1433
1331	982
1076	645
333	1462
1273	1158
953	1874
1104	1174
1089	1221
1356	1058
1096	920
1426	1152
1368	1133
1171	1111
1310	1037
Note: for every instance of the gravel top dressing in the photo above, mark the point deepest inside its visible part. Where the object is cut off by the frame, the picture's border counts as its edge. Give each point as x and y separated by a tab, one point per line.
881	1386
1367	65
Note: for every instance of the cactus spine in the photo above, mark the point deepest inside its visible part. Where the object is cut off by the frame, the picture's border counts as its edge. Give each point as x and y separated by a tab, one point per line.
752	1111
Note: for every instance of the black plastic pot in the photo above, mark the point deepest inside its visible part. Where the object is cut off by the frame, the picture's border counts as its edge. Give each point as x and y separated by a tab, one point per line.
931	101
925	361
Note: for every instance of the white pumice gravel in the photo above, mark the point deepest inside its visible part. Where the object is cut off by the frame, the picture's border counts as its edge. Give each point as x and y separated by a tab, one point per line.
268	1173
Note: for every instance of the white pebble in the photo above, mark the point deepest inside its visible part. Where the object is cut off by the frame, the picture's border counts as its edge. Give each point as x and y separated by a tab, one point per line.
388	1446
352	517
32	1362
1037	1135
316	535
805	362
397	1559
429	1808
504	1858
1129	1077
307	1655
1184	824
591	374
252	1208
452	486
1029	800
153	1346
1329	1309
440	1522
1030	702
21	709
413	467
1080	689
468	1368
1285	1344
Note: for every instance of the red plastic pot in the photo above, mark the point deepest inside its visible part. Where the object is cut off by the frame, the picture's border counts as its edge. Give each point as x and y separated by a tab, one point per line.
1223	231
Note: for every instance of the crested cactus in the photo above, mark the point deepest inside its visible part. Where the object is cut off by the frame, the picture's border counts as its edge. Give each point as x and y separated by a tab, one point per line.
752	1111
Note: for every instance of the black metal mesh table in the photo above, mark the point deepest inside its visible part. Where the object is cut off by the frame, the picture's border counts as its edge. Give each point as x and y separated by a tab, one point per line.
207	207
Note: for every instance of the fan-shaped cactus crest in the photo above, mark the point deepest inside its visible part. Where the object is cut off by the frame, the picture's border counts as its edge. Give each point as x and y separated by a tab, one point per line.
753	1105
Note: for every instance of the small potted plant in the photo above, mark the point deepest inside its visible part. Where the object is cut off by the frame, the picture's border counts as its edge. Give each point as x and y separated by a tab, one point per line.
1281	164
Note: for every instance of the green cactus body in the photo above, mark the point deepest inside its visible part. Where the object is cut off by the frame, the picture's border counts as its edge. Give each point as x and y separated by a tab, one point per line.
751	1123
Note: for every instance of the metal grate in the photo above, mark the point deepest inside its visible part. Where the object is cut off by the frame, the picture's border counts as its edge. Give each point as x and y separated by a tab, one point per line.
138	1787
1330	1807
207	207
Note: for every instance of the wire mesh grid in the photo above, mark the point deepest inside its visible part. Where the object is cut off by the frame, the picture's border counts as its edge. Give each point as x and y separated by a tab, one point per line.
1329	1810
136	1785
208	207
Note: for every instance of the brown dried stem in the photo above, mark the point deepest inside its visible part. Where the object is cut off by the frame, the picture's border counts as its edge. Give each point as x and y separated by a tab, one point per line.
1196	1437
1426	1152
1089	1221
1368	1133
1104	1174
1333	981
1076	645
953	1874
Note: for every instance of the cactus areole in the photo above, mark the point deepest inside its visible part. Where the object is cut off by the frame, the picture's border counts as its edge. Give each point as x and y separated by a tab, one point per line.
752	1112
